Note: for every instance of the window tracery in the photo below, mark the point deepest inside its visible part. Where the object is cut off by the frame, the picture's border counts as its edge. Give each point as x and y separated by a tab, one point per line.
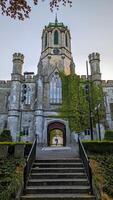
56	89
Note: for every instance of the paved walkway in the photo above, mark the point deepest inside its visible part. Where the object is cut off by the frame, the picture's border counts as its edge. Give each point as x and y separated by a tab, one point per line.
71	151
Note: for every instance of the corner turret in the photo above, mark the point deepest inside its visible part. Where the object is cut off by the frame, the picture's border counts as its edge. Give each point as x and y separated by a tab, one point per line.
94	60
18	60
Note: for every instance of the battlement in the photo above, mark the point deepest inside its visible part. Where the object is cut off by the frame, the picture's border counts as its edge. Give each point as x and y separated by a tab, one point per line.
5	84
18	57
107	83
94	56
29	75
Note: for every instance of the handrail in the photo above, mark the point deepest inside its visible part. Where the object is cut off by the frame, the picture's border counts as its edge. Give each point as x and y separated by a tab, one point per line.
85	160
30	159
84	150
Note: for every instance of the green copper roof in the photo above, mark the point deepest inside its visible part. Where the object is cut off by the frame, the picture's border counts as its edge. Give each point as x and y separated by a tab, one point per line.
56	25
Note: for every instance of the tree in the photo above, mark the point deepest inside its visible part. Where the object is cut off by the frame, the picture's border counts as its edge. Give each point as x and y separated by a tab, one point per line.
21	8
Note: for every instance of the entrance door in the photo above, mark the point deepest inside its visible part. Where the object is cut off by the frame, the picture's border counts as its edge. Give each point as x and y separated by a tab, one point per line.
56	134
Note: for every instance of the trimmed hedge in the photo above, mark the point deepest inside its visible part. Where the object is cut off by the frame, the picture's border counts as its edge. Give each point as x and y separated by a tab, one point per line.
11	147
14	143
109	135
100	147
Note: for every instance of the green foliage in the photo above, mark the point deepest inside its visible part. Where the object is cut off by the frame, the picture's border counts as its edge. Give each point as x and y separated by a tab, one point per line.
109	135
15	143
5	136
106	164
75	105
97	100
99	147
11	172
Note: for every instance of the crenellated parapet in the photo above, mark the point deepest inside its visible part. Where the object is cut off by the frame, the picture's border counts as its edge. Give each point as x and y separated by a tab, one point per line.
18	57
94	56
5	84
107	83
18	60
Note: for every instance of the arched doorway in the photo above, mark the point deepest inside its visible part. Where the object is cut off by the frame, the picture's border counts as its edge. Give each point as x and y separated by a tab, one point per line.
56	134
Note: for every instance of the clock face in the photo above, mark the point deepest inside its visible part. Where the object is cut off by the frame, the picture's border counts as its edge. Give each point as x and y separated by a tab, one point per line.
56	51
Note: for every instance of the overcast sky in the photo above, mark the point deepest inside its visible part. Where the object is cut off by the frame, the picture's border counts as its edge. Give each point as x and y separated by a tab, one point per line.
91	26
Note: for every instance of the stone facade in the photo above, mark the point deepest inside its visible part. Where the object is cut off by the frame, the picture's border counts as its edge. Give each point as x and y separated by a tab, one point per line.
26	102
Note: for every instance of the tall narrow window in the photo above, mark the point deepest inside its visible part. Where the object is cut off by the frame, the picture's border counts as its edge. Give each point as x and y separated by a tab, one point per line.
28	96
26	131
56	89
56	37
45	40
66	40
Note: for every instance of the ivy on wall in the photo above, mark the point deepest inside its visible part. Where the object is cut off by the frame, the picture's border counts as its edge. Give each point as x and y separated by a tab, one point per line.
75	102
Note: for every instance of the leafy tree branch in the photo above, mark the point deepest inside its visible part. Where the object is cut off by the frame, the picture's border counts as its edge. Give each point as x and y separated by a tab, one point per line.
21	8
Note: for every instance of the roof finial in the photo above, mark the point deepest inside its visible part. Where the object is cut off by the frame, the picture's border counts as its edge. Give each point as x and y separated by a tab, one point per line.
56	20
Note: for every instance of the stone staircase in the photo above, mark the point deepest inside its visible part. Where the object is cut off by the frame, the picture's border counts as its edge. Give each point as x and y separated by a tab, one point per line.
58	179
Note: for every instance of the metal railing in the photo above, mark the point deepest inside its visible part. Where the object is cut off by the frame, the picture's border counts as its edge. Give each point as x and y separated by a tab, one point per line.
30	159
85	160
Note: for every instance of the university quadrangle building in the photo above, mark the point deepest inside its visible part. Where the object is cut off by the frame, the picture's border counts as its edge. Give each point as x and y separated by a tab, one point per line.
29	103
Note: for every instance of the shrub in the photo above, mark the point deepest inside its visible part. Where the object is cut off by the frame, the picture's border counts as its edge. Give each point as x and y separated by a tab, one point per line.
11	178
98	147
5	136
11	147
109	135
102	166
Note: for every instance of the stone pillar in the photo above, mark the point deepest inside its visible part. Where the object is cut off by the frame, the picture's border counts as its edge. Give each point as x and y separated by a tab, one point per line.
39	125
62	39
49	39
94	60
15	94
39	111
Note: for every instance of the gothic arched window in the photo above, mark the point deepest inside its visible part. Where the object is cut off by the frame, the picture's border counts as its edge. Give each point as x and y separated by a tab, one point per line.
55	89
56	38
45	40
66	40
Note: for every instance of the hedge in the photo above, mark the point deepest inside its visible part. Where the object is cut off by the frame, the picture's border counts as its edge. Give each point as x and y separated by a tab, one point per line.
98	146
109	135
15	143
5	136
11	146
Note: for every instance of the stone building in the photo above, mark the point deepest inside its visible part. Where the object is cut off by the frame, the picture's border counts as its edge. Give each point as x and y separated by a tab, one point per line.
30	103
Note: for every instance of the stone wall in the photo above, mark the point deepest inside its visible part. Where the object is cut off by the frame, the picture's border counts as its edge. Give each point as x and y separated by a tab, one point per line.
4	95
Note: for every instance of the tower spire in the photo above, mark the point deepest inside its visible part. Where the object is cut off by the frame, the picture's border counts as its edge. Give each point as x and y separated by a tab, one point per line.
56	20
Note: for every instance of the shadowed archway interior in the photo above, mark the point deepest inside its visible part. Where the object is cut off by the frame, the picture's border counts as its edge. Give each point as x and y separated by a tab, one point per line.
56	134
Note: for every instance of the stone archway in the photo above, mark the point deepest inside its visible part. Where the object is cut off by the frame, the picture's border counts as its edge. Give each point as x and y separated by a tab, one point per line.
56	134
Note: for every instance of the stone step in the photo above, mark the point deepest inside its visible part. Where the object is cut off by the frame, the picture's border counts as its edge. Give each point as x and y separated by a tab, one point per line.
57	189
57	175
39	182
58	179
63	165
54	170
74	160
58	196
57	152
